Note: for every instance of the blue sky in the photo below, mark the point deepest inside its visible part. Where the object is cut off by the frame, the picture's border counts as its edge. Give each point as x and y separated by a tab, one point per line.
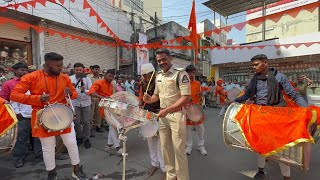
179	11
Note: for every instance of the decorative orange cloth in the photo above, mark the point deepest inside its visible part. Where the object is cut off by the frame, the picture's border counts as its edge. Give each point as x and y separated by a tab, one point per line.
222	93
8	119
196	89
317	109
39	82
290	102
269	130
103	88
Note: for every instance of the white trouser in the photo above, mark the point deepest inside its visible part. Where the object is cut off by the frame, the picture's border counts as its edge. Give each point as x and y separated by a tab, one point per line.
285	169
49	144
113	137
155	152
223	109
199	135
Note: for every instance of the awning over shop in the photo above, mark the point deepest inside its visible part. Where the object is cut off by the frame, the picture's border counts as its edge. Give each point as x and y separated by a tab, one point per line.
230	7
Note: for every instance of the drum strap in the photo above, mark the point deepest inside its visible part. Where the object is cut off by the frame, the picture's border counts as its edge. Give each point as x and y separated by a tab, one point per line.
78	82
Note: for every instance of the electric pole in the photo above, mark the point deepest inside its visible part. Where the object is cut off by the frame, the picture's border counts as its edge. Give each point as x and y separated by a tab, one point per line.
133	41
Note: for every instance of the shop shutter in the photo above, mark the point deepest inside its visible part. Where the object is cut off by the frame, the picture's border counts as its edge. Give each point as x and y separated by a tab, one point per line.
75	51
10	31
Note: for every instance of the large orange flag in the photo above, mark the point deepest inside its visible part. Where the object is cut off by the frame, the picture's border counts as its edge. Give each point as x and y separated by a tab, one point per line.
269	130
193	28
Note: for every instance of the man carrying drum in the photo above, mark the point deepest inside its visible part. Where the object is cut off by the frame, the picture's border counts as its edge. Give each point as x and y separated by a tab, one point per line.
101	89
173	90
148	85
196	90
49	86
265	90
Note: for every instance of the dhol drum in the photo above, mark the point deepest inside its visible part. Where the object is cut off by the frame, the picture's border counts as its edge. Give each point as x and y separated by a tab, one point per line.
194	112
149	129
56	117
9	137
296	156
233	93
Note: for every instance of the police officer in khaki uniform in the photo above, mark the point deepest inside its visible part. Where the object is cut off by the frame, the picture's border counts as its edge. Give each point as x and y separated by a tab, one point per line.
173	90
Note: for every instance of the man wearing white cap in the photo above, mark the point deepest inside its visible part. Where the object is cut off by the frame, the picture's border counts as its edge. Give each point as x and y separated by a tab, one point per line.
149	74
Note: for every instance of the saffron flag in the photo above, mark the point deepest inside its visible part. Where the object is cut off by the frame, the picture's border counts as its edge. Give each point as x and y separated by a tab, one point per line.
193	30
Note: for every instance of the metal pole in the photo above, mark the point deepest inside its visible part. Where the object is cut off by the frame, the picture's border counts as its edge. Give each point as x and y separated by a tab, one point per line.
264	21
133	41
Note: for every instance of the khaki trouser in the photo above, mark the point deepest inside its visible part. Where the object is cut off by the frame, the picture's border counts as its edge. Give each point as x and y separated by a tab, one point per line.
95	113
172	130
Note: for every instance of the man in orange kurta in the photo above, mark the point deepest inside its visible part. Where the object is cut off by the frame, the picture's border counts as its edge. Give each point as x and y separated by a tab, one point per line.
103	88
48	86
223	96
196	90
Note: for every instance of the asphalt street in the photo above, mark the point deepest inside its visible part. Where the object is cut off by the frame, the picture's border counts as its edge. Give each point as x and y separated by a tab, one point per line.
221	163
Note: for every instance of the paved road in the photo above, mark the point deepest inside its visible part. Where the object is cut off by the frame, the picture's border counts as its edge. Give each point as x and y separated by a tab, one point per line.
221	163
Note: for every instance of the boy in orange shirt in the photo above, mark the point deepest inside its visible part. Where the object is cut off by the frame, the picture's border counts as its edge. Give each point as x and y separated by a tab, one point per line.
196	90
101	89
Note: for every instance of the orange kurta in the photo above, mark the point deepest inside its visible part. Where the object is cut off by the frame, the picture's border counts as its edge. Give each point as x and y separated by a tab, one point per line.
37	83
269	130
103	88
196	89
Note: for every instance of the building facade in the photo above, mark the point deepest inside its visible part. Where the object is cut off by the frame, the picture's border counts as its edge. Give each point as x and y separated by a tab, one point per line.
19	44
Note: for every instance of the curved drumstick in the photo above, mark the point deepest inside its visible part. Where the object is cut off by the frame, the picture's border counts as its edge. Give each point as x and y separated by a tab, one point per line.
70	102
149	82
52	110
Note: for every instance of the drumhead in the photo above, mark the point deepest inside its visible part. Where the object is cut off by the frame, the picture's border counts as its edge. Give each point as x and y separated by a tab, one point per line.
125	97
233	93
232	135
194	112
149	129
49	121
8	140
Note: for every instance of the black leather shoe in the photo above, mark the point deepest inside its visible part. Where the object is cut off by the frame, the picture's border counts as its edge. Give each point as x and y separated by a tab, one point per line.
19	163
87	144
99	129
79	141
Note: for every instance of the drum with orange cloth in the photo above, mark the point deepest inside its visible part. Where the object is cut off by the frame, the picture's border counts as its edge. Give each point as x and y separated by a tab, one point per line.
8	129
252	127
195	114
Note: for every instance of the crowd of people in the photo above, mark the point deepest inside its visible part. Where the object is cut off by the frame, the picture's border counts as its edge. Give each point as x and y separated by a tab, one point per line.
166	93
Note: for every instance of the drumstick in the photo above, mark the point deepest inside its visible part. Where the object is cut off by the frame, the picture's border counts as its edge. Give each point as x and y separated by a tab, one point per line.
53	110
149	82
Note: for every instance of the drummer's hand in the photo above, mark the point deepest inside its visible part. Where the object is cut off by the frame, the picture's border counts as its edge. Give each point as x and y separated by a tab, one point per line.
19	117
45	98
67	91
146	98
82	89
6	102
249	102
163	113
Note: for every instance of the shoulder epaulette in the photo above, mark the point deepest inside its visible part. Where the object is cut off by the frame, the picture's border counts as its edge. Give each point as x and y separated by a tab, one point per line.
179	69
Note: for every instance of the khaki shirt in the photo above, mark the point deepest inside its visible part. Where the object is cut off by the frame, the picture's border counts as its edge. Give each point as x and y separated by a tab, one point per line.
167	89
